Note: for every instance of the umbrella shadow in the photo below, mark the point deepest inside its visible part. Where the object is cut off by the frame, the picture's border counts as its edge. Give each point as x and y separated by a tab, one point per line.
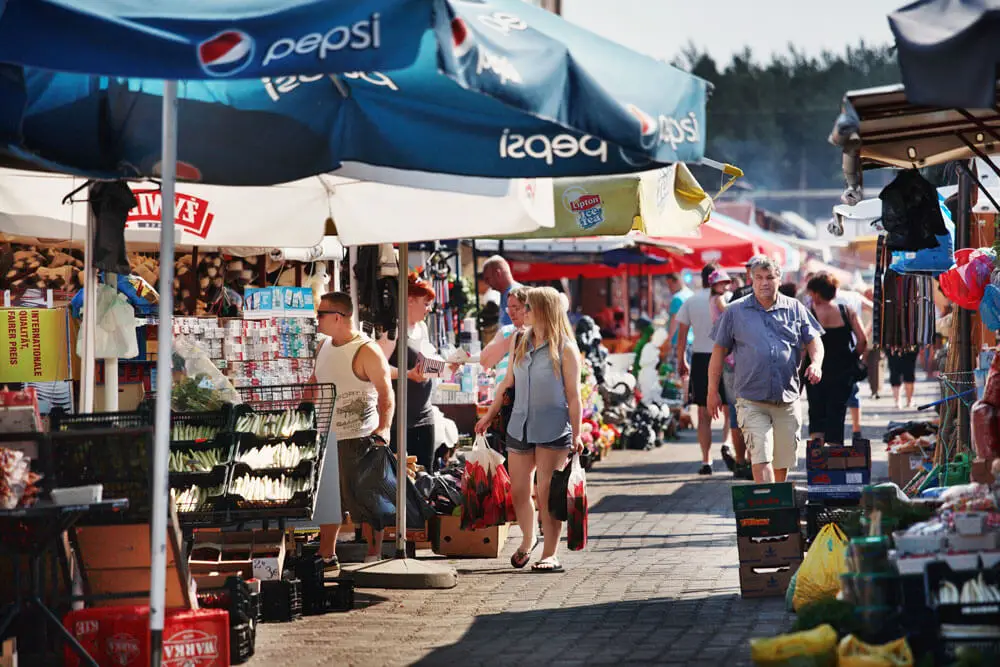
626	632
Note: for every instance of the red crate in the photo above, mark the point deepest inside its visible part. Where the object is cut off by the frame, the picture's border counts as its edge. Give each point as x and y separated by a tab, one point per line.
119	636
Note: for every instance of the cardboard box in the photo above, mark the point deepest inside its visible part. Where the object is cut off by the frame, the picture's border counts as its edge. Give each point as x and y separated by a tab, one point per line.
902	467
848	477
767	523
448	539
836	491
758	581
770	550
824	457
263	550
8	653
763	496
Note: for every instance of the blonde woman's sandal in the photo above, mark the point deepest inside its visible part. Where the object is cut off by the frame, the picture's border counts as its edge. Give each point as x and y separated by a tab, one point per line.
521	557
547	565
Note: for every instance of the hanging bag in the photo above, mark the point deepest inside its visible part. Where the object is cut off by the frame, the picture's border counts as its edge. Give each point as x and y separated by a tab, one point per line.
576	503
859	369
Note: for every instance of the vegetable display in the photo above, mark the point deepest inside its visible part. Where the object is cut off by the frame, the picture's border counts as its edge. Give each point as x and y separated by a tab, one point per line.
193	432
281	455
275	425
194	498
266	489
203	461
974	591
196	394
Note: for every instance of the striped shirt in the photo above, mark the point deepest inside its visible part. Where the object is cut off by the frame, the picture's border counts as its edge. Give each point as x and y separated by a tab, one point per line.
501	367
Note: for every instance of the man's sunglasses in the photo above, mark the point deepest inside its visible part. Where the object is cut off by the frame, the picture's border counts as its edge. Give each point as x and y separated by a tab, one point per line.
332	312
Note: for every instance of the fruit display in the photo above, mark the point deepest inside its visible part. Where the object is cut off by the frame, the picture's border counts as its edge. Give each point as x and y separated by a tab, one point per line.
194	461
268	489
186	432
281	455
275	425
194	498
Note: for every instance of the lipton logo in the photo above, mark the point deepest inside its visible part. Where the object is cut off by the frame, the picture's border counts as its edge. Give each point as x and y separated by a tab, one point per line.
190	648
122	648
588	208
585	203
190	213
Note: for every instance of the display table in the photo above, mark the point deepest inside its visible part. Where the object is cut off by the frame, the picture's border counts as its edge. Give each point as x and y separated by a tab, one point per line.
30	532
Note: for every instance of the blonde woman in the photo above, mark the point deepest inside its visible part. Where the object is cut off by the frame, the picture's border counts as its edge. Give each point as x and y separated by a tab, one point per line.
544	425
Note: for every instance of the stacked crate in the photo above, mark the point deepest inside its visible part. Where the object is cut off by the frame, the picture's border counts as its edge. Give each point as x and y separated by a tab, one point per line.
768	537
836	476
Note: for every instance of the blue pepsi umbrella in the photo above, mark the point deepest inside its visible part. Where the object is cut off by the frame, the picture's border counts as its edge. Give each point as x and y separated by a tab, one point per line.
192	39
278	129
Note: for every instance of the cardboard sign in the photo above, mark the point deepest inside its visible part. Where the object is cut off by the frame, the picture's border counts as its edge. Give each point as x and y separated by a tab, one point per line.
34	344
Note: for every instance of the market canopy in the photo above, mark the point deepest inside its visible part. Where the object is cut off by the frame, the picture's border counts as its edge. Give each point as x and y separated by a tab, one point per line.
215	216
949	52
721	241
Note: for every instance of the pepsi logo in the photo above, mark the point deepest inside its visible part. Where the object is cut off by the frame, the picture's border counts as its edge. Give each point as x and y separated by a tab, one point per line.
461	37
649	127
226	54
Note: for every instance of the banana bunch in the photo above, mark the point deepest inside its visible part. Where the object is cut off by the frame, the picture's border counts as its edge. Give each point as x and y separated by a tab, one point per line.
279	425
281	455
194	498
202	461
193	432
266	489
974	591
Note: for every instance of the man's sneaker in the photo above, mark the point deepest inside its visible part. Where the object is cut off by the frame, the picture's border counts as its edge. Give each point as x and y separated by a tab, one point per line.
728	459
705	469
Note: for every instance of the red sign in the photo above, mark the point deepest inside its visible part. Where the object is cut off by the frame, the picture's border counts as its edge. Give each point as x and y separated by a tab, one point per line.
190	213
585	203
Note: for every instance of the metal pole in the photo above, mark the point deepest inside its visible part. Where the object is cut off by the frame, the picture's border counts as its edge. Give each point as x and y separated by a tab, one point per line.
352	266
111	365
164	377
963	233
89	323
401	357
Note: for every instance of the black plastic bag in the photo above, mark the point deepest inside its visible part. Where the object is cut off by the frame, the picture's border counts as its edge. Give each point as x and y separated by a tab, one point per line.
376	490
558	492
911	214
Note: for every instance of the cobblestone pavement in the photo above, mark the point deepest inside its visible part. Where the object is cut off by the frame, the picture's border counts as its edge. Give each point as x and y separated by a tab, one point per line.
658	583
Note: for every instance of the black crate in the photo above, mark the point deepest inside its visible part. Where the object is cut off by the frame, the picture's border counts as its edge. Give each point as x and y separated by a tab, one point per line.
215	510
821	513
299	506
222	419
241	643
322	397
281	601
119	459
962	613
61	420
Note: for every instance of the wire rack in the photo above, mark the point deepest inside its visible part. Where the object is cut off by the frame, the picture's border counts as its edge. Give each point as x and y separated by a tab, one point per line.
282	397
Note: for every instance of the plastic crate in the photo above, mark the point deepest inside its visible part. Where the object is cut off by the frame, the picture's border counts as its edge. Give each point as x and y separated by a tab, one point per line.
322	397
241	643
281	601
223	419
962	613
119	459
299	506
63	421
844	513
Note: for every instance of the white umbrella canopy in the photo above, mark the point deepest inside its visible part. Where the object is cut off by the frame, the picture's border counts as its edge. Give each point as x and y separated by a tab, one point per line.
290	215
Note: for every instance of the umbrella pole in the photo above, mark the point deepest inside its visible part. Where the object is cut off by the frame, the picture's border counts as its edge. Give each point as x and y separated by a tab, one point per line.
352	267
164	377
89	322
401	391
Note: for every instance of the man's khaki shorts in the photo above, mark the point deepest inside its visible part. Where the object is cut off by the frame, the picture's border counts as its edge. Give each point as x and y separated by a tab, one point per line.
771	431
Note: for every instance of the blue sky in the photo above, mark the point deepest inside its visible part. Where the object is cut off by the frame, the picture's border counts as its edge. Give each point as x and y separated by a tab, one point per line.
661	28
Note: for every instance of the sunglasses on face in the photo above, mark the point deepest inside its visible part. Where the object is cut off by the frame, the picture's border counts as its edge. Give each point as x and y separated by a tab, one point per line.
331	312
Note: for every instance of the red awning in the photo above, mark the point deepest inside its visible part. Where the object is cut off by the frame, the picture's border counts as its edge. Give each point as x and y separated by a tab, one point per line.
720	243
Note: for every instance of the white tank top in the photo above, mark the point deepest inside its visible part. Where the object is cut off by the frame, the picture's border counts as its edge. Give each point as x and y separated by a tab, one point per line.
355	413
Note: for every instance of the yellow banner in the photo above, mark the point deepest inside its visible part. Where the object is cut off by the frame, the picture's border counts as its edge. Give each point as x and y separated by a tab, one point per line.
34	345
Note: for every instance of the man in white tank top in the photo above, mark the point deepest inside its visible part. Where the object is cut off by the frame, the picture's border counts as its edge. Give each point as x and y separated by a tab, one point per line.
362	415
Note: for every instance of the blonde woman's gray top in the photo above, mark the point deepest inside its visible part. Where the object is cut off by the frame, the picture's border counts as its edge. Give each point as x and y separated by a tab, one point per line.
540	414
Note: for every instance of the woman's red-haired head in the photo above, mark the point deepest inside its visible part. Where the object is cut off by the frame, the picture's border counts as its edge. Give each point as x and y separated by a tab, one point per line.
418	287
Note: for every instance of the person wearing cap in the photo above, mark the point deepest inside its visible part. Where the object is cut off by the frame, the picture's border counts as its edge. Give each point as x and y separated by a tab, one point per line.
766	333
695	315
